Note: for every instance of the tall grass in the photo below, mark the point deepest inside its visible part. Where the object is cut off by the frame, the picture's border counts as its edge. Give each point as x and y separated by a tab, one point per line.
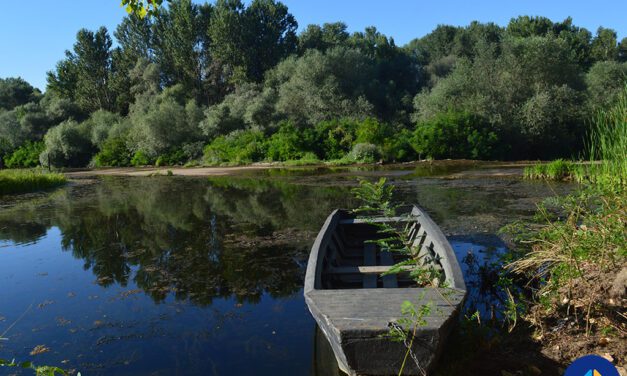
23	181
608	144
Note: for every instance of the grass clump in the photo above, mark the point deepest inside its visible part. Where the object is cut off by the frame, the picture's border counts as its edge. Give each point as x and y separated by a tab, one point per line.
558	169
24	181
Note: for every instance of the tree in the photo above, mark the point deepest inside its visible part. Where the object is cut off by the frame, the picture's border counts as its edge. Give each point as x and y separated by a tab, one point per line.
63	80
11	134
605	81
179	41
549	122
604	46
249	41
271	33
622	50
160	123
246	108
526	26
15	92
322	37
134	35
84	76
322	86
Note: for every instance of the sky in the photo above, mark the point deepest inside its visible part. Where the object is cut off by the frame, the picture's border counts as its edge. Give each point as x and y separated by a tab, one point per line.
35	34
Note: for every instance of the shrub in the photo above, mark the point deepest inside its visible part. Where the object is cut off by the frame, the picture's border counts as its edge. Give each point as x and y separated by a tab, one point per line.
288	143
335	138
237	147
364	153
114	152
371	131
140	158
26	155
174	157
398	147
455	135
67	144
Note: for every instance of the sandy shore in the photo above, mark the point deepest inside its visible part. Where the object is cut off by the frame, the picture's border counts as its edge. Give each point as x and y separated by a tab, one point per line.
470	169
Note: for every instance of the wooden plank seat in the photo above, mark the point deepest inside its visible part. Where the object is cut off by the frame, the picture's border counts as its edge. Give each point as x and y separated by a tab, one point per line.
354	221
389	281
370	259
379	269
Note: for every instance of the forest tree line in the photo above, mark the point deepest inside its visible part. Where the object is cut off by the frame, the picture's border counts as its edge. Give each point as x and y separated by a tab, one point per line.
233	83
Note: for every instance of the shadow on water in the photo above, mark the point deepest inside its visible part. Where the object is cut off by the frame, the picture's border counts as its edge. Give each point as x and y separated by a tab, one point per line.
167	275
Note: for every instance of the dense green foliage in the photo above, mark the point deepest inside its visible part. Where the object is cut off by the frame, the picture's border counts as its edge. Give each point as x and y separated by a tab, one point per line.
26	155
22	181
232	82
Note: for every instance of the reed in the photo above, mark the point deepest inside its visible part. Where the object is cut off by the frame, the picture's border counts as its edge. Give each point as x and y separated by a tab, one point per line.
607	145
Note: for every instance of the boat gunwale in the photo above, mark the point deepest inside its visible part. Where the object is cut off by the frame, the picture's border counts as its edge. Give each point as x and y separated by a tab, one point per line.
449	261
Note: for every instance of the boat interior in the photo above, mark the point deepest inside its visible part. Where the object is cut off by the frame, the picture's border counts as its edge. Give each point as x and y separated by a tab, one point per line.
353	261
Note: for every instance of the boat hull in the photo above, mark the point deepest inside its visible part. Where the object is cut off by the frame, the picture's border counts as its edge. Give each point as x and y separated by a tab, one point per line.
355	306
362	345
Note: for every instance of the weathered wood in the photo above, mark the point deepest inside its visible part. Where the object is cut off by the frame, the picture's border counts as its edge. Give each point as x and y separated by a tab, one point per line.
354	314
370	259
379	269
353	221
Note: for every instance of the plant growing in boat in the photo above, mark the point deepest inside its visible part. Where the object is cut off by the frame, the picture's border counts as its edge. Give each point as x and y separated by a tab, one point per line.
412	317
377	201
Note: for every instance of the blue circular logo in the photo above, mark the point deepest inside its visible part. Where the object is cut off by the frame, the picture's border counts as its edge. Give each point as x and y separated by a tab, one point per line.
591	365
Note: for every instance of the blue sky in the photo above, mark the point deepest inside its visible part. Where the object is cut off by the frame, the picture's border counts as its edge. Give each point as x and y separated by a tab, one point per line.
35	34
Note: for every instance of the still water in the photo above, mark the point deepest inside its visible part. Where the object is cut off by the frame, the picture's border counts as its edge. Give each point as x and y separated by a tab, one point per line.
173	275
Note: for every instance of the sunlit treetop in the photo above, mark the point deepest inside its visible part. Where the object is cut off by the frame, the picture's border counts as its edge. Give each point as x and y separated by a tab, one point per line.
142	8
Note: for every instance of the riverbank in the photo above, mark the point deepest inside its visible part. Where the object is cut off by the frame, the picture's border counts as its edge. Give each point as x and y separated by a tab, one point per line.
452	168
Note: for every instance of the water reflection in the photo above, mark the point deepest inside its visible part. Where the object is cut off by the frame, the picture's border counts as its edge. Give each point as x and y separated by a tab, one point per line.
194	239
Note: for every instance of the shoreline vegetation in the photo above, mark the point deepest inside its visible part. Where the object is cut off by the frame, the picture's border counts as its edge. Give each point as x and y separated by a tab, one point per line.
31	180
573	257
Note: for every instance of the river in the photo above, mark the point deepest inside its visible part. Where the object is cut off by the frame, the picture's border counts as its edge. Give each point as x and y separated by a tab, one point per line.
171	275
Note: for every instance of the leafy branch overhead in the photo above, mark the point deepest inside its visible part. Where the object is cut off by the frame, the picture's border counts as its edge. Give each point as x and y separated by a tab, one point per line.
142	8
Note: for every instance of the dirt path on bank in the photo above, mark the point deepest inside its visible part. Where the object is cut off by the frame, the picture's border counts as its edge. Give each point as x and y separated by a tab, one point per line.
473	169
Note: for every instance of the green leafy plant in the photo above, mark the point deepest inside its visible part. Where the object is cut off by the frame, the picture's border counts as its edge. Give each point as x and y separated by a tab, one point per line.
39	370
413	317
26	156
377	201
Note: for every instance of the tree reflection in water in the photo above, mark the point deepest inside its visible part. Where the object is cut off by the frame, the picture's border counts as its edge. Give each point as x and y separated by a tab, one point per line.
196	239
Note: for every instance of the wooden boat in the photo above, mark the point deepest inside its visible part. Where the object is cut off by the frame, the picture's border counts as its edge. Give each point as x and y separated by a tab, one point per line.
355	306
